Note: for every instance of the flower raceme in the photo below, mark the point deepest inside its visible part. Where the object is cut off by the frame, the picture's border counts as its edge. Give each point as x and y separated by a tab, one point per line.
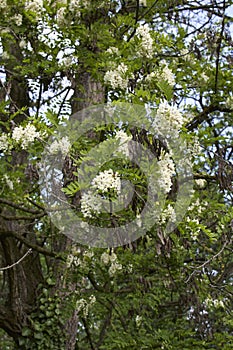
26	135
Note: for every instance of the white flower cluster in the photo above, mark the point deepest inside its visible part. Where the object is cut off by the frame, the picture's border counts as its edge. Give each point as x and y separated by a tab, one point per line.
184	53
3	4
107	180
142	2
23	44
123	139
61	15
200	183
167	75
107	259
73	260
90	204
117	78
18	19
114	51
82	305
229	102
63	145
8	181
166	171
146	45
168	214
26	135
138	321
34	6
214	303
4	143
171	115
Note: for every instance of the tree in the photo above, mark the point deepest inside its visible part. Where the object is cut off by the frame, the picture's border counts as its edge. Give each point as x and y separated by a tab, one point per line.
166	290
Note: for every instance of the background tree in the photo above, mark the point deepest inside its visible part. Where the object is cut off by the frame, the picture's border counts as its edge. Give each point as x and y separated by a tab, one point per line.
167	292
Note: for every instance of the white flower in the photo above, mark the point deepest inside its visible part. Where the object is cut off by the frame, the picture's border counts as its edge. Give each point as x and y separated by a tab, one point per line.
18	19
3	4
214	303
170	114
8	181
229	102
112	257
200	183
123	139
4	143
142	2
90	204
166	171
168	214
113	51
26	135
204	77
117	78
63	145
22	44
74	5
61	15
107	180
184	53
105	258
167	75
138	320
146	45
114	268
5	55
34	6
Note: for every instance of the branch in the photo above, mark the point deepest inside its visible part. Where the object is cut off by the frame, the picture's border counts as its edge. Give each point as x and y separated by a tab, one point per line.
204	115
17	262
29	244
20	207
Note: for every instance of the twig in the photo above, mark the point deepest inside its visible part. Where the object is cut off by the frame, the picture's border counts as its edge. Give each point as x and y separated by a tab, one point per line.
17	262
207	262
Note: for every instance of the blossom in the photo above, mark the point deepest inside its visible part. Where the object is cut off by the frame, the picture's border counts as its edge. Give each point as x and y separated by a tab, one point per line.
115	266
167	75
5	55
209	302
229	102
142	2
83	305
166	171
63	145
26	135
90	204
61	15
168	214
123	139
105	258
8	181
4	143
34	6
170	114
117	78
113	51
18	19
3	4
146	45
107	180
138	320
22	44
200	183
